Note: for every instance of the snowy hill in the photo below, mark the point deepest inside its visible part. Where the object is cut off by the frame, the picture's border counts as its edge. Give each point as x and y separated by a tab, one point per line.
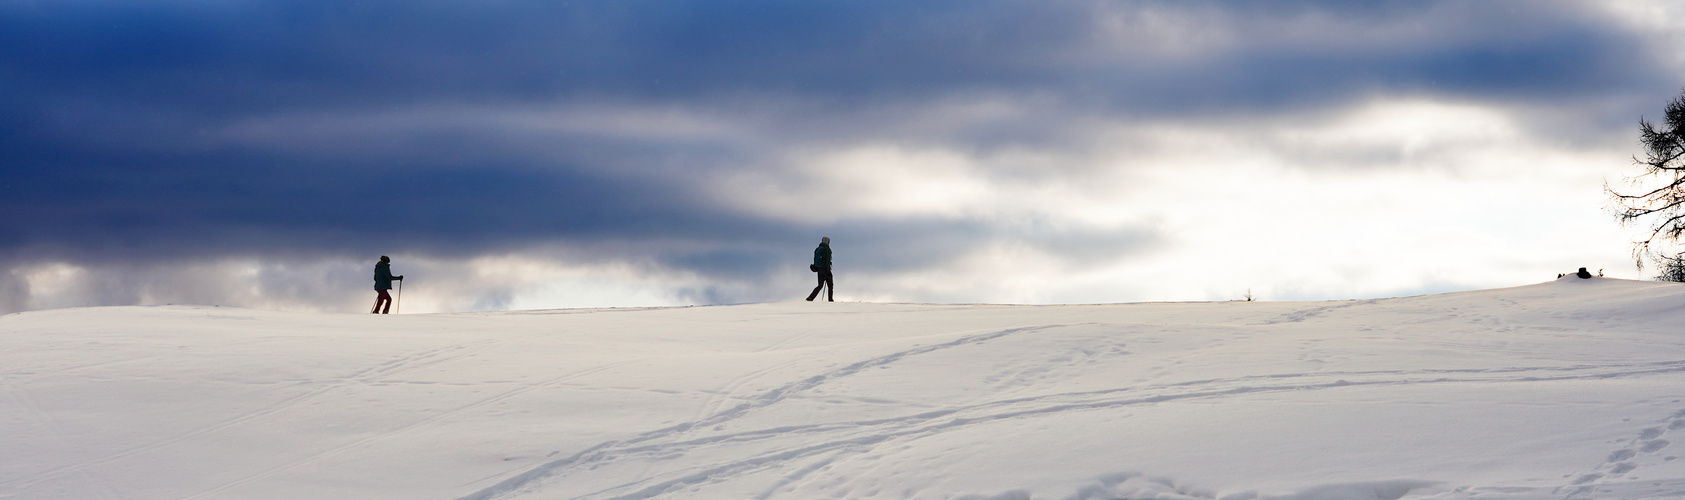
1567	389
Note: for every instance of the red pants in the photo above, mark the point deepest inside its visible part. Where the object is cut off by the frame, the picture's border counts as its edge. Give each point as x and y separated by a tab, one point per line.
383	298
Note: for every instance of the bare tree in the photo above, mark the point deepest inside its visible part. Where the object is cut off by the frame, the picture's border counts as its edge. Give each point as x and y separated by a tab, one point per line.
1664	160
1671	268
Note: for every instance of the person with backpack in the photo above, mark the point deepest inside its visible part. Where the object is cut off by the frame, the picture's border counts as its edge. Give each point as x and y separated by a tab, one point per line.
822	265
382	282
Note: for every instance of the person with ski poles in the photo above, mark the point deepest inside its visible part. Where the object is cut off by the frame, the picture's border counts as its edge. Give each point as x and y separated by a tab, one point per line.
822	265
382	282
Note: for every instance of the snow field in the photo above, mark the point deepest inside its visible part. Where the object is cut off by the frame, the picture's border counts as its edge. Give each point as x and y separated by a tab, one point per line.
1566	389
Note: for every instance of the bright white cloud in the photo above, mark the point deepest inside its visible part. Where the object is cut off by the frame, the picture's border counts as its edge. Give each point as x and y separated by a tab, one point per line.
541	280
1393	196
871	180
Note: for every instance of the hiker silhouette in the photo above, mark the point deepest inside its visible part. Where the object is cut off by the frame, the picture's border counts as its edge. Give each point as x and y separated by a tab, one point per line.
822	265
383	279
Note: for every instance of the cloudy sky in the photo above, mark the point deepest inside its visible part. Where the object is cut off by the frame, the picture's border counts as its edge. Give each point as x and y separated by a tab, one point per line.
516	155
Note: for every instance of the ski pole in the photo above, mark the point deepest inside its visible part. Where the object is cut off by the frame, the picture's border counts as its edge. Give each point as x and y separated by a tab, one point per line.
398	302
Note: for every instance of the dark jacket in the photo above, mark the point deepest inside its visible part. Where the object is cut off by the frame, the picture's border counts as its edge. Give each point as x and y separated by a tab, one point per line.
822	257
383	276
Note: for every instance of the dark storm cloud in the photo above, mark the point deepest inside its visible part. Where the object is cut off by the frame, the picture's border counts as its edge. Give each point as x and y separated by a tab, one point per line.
251	57
115	116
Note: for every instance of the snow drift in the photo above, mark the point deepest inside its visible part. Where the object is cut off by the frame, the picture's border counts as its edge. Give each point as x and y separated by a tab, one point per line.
1566	389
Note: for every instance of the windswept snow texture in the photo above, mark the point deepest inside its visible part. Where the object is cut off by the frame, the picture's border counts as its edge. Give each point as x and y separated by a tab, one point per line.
1568	389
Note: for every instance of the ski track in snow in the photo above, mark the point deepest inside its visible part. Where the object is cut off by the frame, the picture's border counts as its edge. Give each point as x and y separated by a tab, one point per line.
771	397
711	408
731	388
855	437
861	436
878	432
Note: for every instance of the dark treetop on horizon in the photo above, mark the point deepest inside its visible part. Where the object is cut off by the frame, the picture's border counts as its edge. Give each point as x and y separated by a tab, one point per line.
1664	159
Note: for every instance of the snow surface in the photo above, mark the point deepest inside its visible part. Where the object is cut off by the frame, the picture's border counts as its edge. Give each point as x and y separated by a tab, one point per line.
1566	389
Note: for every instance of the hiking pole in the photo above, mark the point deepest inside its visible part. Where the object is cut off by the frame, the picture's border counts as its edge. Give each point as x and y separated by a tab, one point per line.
398	302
